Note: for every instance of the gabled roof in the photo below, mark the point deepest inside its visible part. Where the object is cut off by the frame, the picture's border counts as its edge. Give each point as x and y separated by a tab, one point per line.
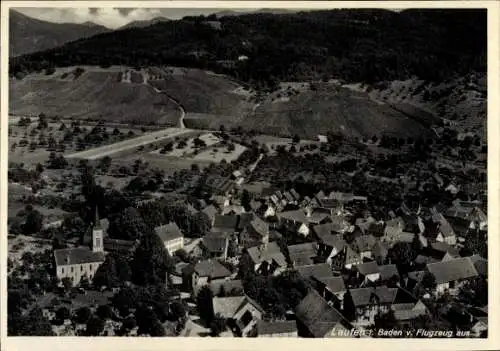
481	264
209	268
387	271
288	196
276	327
259	226
302	254
319	270
227	306
452	270
295	194
269	252
329	203
368	268
444	248
318	317
397	222
333	284
365	243
296	215
226	222
317	217
215	242
210	211
169	231
351	256
380	294
77	255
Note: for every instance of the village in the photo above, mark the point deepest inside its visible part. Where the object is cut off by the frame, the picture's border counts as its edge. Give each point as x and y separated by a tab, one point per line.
241	257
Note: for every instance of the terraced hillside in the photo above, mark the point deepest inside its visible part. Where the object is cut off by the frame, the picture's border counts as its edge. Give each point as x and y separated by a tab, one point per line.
98	94
201	91
326	107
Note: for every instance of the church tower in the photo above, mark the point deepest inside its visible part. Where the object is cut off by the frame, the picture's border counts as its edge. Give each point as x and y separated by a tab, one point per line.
97	234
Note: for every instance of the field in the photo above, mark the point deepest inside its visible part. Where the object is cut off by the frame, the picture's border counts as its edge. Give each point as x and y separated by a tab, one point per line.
97	94
217	154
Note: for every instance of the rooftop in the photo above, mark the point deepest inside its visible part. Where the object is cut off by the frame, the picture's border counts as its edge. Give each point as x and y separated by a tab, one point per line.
77	255
168	232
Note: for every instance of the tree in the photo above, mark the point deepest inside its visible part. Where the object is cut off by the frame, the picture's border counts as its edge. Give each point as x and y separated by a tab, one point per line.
148	322
245	200
151	261
296	139
385	321
474	292
34	222
127	225
428	281
114	271
218	325
105	164
34	324
95	326
82	315
62	314
104	312
125	300
129	323
205	304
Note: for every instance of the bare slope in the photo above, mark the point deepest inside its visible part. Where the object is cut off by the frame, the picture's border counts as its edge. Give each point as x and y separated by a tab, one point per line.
99	94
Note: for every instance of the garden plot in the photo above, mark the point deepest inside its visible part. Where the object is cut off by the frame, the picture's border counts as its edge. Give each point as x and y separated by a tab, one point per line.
217	154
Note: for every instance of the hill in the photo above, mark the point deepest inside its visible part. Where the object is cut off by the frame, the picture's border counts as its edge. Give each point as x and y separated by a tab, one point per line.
145	23
97	94
29	35
354	45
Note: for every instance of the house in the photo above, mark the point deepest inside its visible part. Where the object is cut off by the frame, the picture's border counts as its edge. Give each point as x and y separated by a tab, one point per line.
319	270
364	245
414	224
242	313
351	257
334	206
439	249
211	212
76	263
317	319
388	272
216	244
441	230
302	254
171	236
331	289
405	313
469	211
296	221
369	271
225	223
277	329
290	199
329	245
255	233
366	303
123	247
233	210
219	185
174	279
268	258
295	195
450	274
269	211
194	276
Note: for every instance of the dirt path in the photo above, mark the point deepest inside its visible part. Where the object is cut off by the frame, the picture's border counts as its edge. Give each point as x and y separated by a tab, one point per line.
180	123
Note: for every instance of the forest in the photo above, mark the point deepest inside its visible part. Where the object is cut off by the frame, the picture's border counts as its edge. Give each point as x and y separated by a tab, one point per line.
354	45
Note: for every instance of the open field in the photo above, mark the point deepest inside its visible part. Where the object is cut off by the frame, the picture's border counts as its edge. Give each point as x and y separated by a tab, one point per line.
167	163
126	145
97	93
211	155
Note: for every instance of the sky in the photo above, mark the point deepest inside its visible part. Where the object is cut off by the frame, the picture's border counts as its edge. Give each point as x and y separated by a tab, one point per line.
112	17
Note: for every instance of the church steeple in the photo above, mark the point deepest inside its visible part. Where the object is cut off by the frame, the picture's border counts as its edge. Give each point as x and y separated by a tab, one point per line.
97	234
